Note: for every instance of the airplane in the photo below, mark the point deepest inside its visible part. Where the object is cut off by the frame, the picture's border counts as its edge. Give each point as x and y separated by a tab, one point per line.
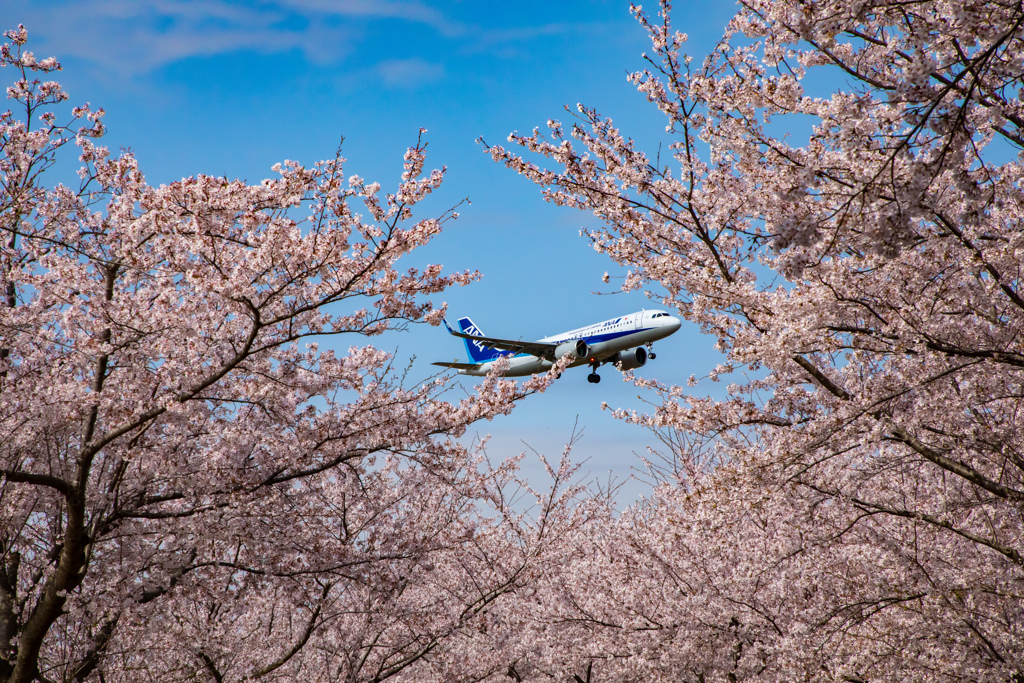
620	340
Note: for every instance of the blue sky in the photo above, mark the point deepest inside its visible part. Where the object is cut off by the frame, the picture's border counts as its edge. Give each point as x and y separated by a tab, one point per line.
230	88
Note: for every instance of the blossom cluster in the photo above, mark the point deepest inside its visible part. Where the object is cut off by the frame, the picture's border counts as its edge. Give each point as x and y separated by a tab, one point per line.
184	472
851	509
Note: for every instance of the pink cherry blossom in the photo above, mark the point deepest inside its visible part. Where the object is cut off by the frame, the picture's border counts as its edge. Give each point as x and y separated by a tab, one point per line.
851	509
192	489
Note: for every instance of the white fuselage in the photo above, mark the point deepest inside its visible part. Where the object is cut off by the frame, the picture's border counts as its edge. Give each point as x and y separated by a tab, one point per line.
604	339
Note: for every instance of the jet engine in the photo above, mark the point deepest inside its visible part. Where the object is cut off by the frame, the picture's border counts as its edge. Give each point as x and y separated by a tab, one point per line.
630	359
576	347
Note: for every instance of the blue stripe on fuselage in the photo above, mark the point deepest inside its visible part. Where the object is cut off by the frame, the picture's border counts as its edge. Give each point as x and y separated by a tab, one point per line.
598	338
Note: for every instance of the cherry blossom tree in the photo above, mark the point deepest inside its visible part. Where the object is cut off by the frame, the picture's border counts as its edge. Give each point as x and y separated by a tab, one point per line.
191	488
842	211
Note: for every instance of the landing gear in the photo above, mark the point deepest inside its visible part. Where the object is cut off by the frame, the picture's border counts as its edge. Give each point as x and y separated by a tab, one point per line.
593	378
650	351
652	355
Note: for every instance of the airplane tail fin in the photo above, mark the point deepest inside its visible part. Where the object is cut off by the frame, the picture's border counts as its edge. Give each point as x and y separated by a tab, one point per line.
478	351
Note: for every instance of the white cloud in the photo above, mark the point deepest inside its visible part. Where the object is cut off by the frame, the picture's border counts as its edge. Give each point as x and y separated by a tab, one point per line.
383	9
130	38
409	72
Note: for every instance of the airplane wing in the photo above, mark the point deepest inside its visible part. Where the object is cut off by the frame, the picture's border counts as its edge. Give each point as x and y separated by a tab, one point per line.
539	349
458	366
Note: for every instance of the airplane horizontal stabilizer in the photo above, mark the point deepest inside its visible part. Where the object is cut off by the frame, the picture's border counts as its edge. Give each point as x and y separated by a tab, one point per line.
458	366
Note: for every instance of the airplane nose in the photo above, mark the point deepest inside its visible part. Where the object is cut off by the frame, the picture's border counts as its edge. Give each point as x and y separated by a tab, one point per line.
673	322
